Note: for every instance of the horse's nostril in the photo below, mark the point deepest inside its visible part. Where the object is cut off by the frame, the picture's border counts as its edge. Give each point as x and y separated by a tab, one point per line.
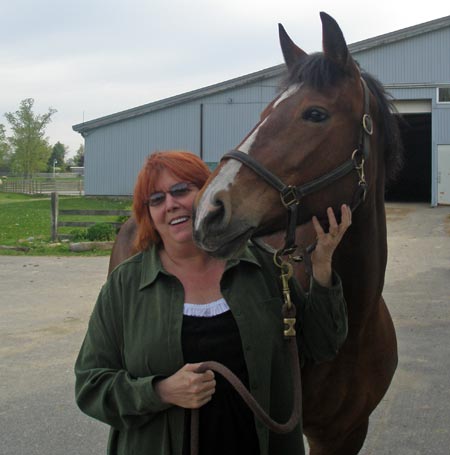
211	217
217	212
218	203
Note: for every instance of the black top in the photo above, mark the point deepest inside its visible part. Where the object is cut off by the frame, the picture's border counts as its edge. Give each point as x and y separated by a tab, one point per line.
227	426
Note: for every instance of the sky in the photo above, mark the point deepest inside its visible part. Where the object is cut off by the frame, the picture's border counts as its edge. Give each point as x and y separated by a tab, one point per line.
92	58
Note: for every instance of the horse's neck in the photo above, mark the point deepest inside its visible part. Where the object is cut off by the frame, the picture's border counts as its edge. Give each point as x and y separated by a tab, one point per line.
361	259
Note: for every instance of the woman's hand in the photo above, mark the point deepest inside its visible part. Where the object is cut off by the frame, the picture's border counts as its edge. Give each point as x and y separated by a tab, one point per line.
186	388
327	243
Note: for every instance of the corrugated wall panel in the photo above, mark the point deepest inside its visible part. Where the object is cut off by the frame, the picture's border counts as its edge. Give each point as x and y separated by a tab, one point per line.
115	153
229	117
411	93
419	59
226	125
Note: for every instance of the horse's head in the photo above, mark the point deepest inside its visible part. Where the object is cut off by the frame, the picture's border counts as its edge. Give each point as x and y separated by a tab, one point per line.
312	128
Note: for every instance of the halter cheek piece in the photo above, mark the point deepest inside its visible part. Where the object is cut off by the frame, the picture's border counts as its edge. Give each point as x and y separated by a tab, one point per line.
291	195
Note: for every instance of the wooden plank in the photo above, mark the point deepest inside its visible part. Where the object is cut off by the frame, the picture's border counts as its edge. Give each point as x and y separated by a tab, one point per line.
85	223
96	212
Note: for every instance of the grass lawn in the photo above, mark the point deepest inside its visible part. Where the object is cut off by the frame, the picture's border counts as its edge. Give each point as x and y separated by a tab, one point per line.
25	221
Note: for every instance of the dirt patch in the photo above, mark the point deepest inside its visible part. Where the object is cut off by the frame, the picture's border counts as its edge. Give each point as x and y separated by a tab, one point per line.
398	213
447	225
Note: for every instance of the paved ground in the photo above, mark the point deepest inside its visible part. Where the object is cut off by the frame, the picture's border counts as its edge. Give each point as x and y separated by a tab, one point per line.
45	305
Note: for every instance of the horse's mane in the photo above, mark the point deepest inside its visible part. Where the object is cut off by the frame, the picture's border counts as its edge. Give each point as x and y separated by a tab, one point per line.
321	73
393	147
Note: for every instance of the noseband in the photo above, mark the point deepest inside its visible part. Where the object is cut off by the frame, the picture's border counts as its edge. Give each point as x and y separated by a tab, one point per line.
291	195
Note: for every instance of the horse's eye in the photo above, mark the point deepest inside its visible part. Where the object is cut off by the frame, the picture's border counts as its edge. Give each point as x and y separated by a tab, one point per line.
315	114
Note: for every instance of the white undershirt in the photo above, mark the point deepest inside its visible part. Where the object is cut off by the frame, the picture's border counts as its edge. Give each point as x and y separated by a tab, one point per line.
207	310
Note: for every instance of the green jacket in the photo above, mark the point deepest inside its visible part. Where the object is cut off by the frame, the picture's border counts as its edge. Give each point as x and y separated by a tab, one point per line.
134	338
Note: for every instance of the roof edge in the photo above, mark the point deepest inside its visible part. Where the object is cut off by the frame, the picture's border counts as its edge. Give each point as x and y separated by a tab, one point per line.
182	98
399	35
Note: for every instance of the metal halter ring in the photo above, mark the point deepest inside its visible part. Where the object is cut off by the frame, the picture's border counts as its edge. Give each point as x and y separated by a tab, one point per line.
367	124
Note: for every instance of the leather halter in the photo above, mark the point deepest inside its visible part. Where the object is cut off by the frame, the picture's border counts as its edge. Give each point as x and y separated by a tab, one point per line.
291	195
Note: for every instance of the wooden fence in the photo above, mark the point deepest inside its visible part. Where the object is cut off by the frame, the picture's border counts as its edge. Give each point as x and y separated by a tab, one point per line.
56	223
35	186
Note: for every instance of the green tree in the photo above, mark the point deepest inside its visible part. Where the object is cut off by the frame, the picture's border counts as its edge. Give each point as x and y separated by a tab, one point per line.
30	149
78	159
57	157
4	149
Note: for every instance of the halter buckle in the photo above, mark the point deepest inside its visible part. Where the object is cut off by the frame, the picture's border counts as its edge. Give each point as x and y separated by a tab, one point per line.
289	196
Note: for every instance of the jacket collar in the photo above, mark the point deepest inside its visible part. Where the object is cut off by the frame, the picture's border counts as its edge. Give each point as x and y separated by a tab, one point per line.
152	266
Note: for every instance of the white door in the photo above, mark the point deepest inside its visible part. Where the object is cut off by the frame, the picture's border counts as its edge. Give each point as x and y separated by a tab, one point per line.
444	174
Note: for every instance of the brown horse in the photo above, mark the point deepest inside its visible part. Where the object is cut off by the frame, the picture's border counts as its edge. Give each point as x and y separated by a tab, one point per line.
123	247
307	132
329	138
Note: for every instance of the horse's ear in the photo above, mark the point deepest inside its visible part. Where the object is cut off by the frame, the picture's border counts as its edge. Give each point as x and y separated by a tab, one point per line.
291	52
334	45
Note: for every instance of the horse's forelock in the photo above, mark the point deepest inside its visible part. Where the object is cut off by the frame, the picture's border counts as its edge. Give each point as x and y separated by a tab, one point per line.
316	71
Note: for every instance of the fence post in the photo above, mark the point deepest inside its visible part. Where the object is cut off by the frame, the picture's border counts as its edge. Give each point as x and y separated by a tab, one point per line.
54	201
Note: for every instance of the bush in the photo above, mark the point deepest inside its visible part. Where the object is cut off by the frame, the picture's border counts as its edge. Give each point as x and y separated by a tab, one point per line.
100	232
77	235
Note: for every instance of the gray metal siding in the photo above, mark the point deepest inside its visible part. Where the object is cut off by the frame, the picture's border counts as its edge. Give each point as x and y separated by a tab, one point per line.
230	116
408	93
420	59
226	125
116	152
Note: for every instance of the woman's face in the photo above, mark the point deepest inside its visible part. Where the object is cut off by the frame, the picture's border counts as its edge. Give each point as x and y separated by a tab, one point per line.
172	216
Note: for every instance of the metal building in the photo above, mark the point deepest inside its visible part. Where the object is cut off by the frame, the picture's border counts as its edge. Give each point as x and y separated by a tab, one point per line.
413	64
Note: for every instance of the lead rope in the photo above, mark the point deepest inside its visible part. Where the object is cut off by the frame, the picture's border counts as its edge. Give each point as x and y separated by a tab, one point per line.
289	320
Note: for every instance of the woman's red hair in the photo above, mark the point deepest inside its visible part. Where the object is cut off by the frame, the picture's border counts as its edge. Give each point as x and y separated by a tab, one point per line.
184	165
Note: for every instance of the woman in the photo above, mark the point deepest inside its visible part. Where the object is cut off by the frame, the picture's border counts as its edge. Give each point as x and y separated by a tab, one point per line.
171	306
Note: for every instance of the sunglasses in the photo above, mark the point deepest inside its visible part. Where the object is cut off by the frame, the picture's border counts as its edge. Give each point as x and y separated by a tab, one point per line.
177	191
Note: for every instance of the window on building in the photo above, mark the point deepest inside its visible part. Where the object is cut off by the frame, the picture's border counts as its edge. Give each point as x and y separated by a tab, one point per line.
443	94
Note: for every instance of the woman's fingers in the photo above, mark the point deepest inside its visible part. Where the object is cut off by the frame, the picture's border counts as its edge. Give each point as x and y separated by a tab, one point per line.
334	228
327	243
346	220
338	230
187	388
